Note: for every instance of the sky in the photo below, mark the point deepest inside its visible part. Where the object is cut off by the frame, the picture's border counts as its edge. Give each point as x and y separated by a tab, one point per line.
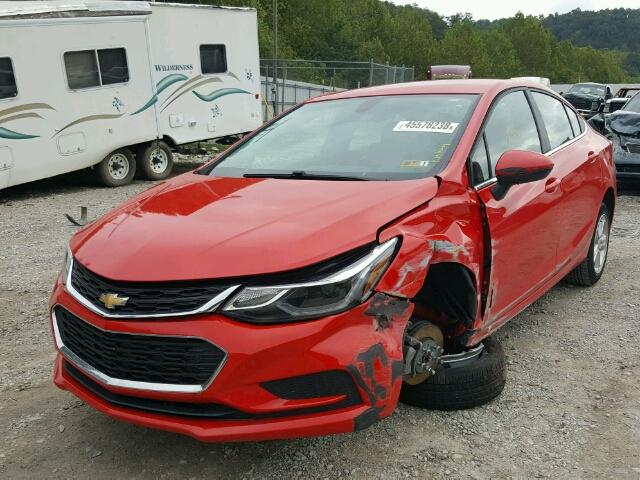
493	9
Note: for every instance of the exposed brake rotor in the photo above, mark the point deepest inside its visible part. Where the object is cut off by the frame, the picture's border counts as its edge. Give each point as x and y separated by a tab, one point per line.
423	347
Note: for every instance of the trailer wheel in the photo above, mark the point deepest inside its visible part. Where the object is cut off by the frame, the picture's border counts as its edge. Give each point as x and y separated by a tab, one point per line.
117	168
155	161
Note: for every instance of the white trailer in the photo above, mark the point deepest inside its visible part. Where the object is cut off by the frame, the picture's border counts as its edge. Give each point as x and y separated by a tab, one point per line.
82	84
207	68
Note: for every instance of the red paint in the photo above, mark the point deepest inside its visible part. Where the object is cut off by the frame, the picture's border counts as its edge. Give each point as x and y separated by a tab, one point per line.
199	227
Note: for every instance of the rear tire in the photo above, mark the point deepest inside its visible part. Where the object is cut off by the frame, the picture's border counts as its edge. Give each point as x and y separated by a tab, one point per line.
590	271
155	161
460	387
117	168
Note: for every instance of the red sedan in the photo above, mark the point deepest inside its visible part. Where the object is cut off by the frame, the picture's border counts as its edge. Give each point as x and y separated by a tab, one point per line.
358	250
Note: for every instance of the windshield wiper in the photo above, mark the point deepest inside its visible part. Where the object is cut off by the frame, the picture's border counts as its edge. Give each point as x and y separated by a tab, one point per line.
302	175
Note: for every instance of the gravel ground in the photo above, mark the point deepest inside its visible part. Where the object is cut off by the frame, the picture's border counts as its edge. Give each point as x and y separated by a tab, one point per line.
571	408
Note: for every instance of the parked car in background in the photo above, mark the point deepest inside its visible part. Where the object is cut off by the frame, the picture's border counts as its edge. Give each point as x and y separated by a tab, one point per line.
621	97
449	72
588	98
543	80
623	128
358	250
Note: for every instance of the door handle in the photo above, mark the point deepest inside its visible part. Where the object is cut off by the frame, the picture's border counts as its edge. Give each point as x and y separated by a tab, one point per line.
551	185
592	156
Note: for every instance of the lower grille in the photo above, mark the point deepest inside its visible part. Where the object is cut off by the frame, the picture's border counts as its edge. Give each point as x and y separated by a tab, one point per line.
140	358
202	411
633	147
315	385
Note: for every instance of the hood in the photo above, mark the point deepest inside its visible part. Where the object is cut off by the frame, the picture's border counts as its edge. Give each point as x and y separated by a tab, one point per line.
199	227
585	96
624	122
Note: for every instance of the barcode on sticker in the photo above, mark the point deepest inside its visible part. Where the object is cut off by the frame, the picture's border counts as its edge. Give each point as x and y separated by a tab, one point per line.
425	126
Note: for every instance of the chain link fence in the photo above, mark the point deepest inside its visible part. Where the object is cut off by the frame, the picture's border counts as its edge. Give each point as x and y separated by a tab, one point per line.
297	80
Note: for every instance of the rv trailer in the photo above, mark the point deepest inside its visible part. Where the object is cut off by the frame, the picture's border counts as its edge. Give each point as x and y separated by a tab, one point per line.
105	85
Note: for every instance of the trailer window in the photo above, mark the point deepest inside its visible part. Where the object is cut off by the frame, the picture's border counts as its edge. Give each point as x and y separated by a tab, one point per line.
82	69
94	68
213	58
113	66
8	87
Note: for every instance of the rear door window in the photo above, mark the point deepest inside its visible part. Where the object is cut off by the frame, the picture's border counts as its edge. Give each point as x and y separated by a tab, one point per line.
511	126
8	87
576	125
555	119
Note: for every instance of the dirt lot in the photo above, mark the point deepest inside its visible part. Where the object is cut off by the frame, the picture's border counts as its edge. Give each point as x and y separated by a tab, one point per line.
571	408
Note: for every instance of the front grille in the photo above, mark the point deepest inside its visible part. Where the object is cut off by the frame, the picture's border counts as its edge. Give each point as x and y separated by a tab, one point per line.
580	103
633	147
140	358
145	298
628	168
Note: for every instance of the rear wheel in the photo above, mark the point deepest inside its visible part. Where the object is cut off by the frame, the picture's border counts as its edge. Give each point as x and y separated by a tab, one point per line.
155	161
463	381
117	168
590	271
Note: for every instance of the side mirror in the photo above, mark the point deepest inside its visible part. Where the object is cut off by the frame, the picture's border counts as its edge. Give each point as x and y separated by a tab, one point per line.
519	166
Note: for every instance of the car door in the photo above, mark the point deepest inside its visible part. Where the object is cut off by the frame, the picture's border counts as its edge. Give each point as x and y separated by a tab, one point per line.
523	226
578	170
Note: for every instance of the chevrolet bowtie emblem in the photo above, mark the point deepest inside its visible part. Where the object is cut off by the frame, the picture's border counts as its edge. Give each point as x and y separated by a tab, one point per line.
113	300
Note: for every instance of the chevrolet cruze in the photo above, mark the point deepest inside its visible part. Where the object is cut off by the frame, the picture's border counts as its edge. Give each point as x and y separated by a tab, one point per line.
358	250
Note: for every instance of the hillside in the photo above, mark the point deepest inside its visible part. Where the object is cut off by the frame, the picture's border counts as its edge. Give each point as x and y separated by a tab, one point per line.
409	35
614	29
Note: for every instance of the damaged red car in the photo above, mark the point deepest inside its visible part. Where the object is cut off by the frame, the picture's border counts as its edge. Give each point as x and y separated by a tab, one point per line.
357	251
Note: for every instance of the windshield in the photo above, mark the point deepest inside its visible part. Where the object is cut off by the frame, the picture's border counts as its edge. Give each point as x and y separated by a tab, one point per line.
587	89
369	138
633	105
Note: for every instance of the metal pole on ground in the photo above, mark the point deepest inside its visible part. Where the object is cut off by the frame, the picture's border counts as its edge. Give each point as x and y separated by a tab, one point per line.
371	72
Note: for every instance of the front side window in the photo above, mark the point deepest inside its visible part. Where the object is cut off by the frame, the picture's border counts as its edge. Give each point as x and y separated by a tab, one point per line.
213	59
633	105
588	89
372	138
511	126
8	87
94	68
555	119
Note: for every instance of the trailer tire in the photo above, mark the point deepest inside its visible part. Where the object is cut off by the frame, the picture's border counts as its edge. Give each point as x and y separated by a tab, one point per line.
155	161
461	387
117	168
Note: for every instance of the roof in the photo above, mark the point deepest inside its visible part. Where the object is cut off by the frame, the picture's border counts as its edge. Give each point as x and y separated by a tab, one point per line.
202	6
471	86
71	8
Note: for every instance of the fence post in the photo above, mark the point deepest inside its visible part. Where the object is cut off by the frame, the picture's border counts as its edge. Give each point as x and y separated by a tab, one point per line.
386	74
371	72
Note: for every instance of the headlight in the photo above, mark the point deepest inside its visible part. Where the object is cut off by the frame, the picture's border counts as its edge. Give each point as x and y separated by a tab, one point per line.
332	294
66	266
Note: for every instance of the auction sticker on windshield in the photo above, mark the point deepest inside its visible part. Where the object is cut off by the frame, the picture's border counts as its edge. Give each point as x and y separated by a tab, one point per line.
425	126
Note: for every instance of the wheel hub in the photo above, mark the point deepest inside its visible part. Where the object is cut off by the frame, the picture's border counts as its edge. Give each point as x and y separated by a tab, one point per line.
601	243
422	351
118	166
159	160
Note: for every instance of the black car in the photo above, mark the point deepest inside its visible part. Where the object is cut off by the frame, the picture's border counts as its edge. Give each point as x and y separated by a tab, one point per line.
588	98
623	129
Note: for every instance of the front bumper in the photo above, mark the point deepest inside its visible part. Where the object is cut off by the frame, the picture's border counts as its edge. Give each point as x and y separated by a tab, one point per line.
351	342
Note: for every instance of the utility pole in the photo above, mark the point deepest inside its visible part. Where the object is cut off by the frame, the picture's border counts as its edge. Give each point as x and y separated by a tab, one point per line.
275	57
